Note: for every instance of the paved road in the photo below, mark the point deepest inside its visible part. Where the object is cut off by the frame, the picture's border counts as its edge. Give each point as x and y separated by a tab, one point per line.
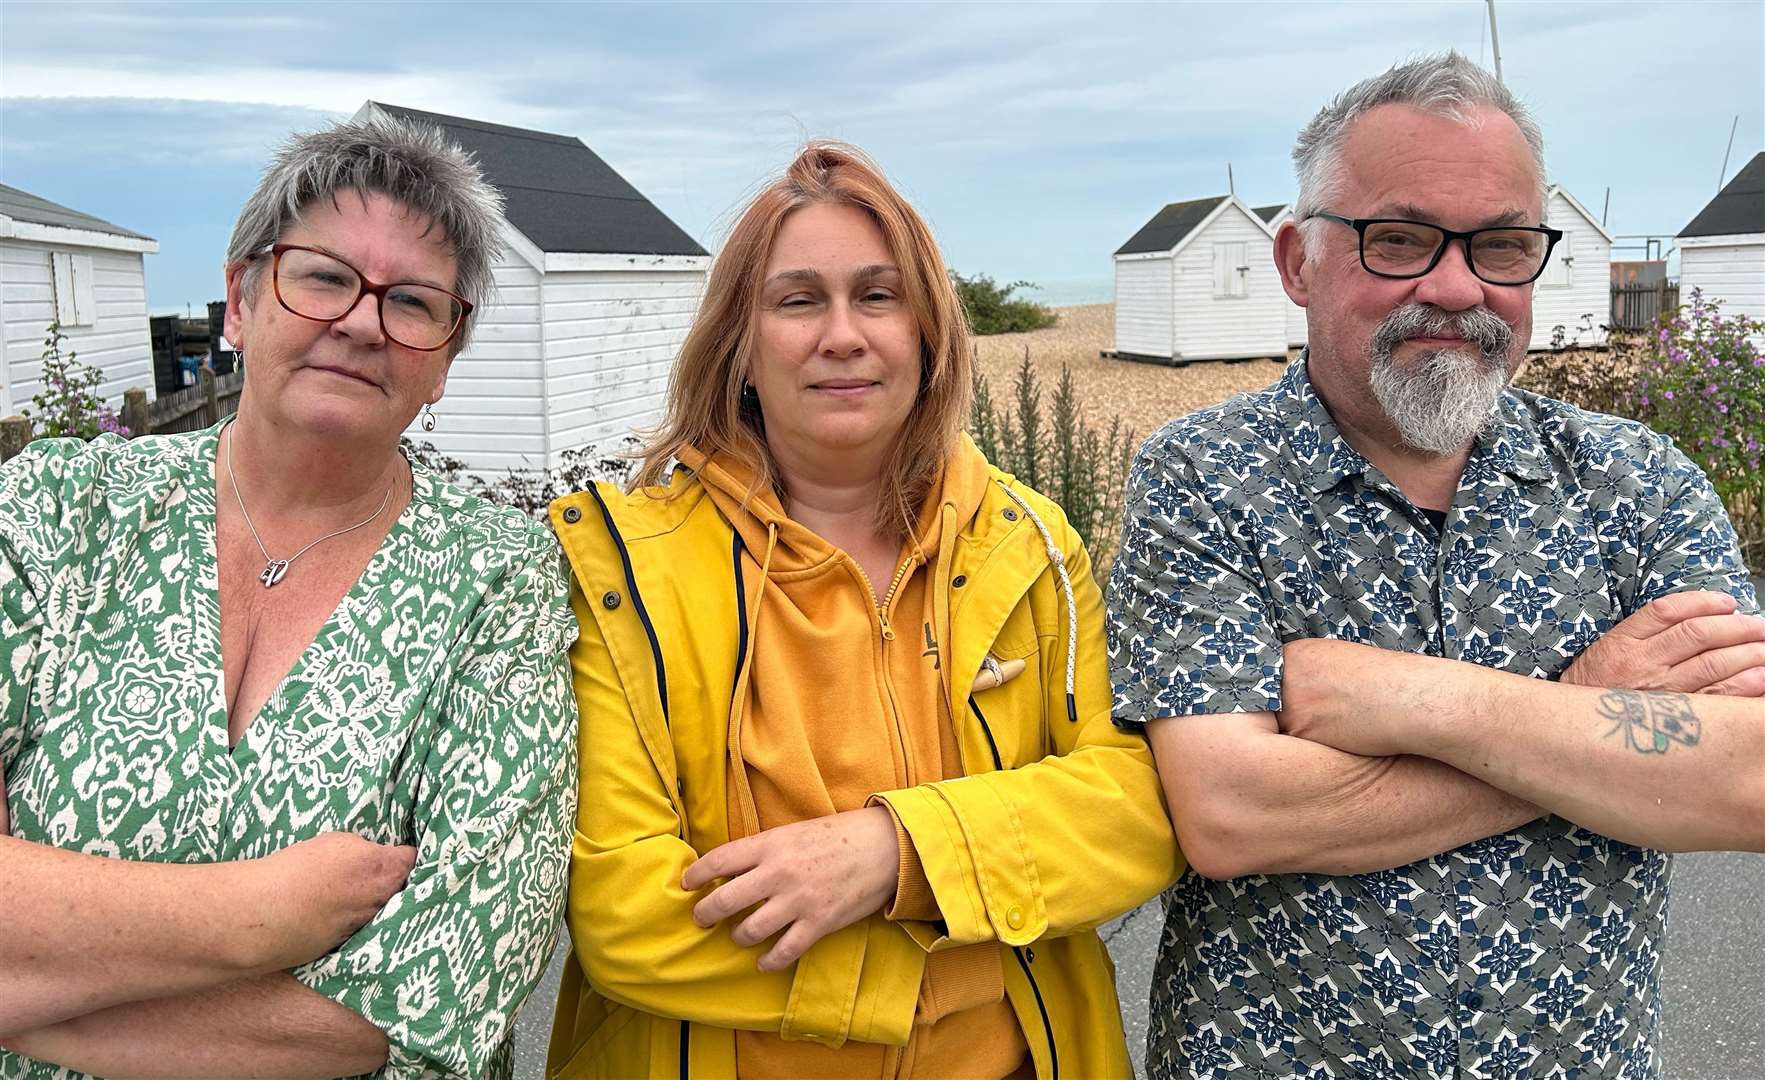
1714	974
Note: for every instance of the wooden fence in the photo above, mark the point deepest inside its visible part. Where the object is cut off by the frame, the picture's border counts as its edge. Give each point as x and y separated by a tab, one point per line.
192	409
1639	307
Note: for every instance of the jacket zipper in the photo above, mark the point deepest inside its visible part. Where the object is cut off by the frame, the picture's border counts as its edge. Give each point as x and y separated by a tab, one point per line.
741	613
1042	1007
882	606
908	779
1024	955
643	613
649	629
986	729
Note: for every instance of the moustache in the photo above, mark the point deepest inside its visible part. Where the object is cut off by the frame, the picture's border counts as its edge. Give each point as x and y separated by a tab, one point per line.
1488	332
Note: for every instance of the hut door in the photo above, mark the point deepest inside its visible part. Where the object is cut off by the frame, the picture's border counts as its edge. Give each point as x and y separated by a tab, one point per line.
1560	270
1230	269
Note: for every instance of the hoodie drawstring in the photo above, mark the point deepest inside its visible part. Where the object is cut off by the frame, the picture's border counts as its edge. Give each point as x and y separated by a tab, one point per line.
1058	559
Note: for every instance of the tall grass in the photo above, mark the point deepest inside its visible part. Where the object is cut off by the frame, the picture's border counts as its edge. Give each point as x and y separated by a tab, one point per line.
1061	454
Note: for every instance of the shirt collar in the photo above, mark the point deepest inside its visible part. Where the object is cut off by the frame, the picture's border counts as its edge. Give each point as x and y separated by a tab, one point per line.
1509	444
1332	458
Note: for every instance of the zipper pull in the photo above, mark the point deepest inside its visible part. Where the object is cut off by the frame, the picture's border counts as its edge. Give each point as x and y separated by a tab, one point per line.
888	632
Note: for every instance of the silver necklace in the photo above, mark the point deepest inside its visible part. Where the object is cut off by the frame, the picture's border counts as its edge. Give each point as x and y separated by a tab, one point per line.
276	569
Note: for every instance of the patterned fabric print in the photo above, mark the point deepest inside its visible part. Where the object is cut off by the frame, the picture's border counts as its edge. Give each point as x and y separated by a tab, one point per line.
434	709
1534	953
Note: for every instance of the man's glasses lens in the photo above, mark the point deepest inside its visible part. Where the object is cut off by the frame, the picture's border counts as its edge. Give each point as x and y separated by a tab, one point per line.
1498	256
320	287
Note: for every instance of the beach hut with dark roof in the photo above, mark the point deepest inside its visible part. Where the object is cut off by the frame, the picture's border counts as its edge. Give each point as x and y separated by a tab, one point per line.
1274	217
1722	250
1198	282
63	266
594	295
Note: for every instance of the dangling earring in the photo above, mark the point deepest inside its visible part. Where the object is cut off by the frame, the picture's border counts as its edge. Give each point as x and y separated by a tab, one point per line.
239	362
750	397
428	417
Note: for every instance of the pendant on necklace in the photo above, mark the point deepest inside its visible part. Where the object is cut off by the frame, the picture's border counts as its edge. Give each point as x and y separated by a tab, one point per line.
274	571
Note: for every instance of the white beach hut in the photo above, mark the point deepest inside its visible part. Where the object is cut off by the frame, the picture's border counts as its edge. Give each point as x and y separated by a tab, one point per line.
1575	290
1722	250
1275	216
594	297
59	265
1198	282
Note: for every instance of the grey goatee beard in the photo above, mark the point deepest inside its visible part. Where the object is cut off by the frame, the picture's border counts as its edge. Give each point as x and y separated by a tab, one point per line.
1446	398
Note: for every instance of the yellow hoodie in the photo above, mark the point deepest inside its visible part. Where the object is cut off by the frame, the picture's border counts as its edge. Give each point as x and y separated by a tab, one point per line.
850	702
1055	825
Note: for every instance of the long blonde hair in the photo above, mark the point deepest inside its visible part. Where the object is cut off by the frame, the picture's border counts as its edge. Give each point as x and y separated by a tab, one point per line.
705	408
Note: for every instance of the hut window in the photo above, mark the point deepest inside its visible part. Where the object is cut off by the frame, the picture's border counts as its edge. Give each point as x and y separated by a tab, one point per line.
1230	268
74	302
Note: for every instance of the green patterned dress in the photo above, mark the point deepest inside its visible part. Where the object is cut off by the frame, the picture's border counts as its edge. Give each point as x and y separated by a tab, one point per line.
434	709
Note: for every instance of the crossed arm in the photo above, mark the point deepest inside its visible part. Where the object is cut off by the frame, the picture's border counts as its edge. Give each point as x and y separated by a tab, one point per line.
1620	746
1381	758
146	969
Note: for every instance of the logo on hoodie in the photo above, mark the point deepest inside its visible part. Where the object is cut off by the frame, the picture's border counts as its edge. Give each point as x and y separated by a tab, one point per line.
931	646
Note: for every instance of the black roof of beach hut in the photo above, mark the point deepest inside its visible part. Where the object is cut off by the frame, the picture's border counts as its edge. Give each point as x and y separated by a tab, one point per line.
1738	208
23	206
558	193
1168	227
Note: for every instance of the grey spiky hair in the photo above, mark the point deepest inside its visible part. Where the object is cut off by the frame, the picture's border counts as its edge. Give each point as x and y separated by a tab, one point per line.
1447	84
413	164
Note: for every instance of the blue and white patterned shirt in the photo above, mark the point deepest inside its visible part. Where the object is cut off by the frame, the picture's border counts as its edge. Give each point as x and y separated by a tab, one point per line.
1532	953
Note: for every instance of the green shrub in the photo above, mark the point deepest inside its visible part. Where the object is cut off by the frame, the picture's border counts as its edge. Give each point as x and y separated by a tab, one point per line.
531	492
68	404
1702	382
1079	466
991	310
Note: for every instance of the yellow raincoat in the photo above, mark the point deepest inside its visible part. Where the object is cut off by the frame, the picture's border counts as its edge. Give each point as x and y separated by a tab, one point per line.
1058	827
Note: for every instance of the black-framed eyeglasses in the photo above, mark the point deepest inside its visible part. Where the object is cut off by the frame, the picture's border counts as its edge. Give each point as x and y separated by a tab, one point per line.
319	286
1501	255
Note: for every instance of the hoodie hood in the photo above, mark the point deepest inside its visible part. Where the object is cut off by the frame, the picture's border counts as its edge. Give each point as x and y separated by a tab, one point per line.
755	513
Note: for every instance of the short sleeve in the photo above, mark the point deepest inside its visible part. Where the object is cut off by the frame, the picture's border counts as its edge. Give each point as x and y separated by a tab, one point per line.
1188	626
1692	544
445	967
32	492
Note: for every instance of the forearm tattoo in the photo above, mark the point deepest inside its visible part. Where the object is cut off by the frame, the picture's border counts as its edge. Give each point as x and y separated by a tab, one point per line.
1651	722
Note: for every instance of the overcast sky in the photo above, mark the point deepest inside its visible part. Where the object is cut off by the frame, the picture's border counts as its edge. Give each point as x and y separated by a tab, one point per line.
1036	137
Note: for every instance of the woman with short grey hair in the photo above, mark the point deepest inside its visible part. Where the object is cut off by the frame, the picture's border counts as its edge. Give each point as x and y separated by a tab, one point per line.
287	744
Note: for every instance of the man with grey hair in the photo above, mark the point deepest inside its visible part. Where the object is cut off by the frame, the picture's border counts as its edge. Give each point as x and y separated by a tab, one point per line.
1414	649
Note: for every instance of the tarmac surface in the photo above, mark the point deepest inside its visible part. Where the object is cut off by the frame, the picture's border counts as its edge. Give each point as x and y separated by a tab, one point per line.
1713	974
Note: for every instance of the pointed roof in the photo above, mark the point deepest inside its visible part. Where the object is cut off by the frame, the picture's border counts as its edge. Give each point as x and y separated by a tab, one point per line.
558	193
23	206
1169	226
1270	213
1575	204
1738	208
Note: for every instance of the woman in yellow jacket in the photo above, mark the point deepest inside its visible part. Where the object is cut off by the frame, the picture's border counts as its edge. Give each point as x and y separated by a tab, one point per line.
851	799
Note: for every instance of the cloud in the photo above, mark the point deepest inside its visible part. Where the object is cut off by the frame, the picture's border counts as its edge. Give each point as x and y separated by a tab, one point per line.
158	133
1036	136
